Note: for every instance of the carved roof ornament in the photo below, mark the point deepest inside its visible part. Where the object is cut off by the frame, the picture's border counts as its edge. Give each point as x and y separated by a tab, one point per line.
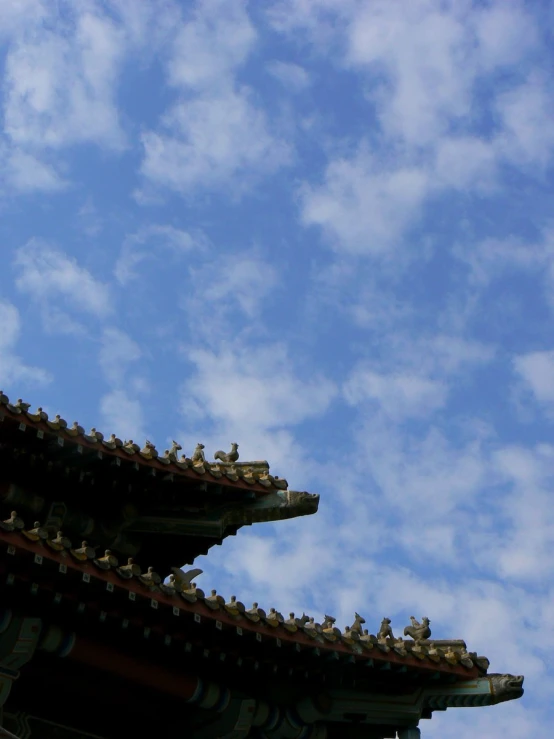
130	447
233	607
92	435
198	456
184	579
60	542
418	631
505	687
129	570
171	454
112	443
357	625
36	533
254	613
230	457
12	523
367	638
465	658
192	593
149	449
274	617
385	631
107	561
171	587
84	552
312	626
150	578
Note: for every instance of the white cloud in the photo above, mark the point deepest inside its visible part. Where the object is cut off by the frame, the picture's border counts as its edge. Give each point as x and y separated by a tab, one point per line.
399	396
210	141
60	82
536	369
51	277
254	385
211	45
518	549
492	258
123	415
424	52
292	76
362	207
16	14
426	70
13	369
121	408
150	243
414	375
117	351
227	294
426	58
241	279
216	131
524	139
25	173
466	162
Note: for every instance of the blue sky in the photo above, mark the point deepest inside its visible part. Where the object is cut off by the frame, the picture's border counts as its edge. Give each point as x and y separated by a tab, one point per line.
323	230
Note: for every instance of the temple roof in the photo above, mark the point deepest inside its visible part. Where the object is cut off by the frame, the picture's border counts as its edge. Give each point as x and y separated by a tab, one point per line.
91	533
130	498
252	475
75	567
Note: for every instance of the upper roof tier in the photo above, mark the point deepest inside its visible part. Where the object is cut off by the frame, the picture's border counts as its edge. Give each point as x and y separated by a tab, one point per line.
128	495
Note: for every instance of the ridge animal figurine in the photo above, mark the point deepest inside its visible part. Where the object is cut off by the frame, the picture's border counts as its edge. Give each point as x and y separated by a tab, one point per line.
198	455
418	631
385	630
229	458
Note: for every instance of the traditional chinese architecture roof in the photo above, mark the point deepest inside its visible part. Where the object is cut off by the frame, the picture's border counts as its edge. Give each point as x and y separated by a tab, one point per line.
131	497
120	589
295	677
93	602
252	476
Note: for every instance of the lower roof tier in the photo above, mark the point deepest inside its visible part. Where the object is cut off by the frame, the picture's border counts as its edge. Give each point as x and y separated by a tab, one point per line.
174	640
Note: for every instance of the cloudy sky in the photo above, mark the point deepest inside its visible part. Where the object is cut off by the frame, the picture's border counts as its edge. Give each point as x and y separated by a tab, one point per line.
322	229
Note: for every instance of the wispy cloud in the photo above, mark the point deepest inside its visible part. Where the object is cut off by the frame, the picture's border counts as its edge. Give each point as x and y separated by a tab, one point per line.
13	369
215	135
25	173
60	82
536	370
51	277
150	242
227	295
363	208
292	76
